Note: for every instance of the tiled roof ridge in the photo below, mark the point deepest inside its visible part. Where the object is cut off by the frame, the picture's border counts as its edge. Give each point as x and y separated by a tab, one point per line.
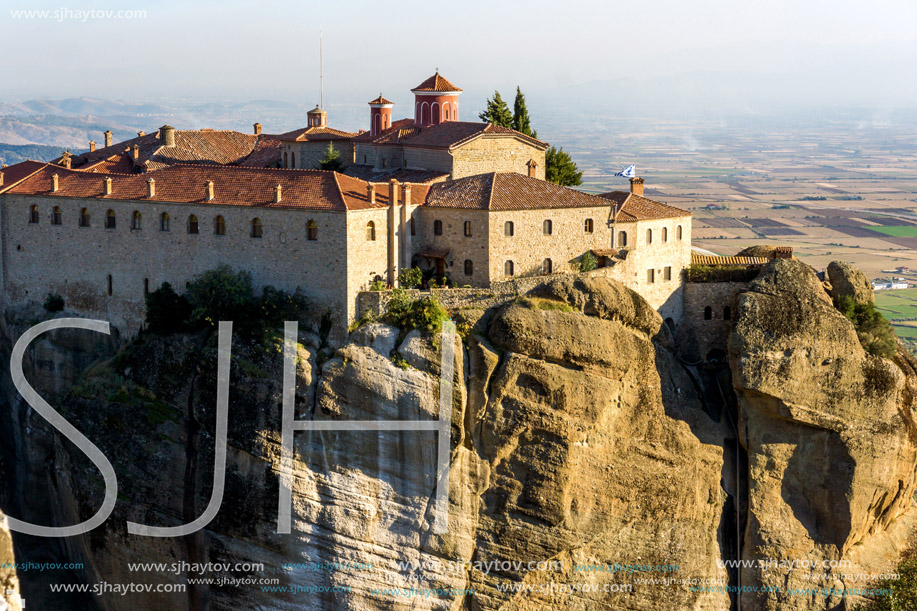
6	187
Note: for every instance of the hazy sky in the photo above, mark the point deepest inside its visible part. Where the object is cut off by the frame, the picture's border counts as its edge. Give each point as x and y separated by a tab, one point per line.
269	49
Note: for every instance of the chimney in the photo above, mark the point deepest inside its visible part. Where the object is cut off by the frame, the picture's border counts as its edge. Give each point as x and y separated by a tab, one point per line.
257	129
141	134
92	146
55	183
66	160
135	151
151	188
209	190
108	136
167	135
278	194
636	186
393	188
108	186
371	192
407	194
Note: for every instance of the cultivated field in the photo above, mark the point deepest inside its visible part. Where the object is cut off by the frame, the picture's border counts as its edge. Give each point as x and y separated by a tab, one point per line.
835	192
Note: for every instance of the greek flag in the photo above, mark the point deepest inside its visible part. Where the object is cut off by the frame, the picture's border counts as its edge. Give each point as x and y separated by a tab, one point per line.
628	172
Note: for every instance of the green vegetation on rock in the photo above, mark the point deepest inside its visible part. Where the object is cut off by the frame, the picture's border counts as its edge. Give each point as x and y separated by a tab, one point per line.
408	314
874	332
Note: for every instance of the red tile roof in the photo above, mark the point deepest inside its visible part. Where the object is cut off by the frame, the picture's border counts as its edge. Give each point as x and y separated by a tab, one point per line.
633	207
19	171
371	173
206	147
311	134
233	186
447	135
380	100
512	191
436	83
117	164
507	191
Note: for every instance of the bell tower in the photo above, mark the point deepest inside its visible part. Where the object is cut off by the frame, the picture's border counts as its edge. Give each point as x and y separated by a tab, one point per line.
380	115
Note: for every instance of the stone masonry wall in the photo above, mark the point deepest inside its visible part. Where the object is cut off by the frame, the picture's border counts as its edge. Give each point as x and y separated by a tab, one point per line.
310	154
496	154
709	334
76	261
454	240
366	258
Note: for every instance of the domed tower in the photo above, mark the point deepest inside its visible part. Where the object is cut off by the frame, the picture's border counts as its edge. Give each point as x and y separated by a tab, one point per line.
435	101
317	117
380	115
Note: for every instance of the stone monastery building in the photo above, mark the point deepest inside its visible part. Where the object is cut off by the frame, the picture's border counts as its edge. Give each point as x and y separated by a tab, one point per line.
464	200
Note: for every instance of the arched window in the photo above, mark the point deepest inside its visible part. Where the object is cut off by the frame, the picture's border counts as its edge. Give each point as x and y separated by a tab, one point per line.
435	118
665	234
293	160
370	231
311	231
423	113
111	287
413	230
146	286
110	219
588	226
508	229
437	228
649	236
678	232
192	224
164	222
622	239
257	229
727	313
547	267
469	267
84	217
467	229
285	160
547	227
56	216
33	214
708	313
508	268
219	225
136	220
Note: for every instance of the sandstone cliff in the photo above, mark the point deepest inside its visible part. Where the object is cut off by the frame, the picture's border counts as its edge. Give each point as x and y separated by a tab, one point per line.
577	438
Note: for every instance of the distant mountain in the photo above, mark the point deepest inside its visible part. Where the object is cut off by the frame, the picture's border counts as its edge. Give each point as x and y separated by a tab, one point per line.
14	153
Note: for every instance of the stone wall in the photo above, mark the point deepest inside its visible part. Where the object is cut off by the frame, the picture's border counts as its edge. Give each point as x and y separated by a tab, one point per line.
380	155
76	262
428	159
366	259
453	239
310	154
709	334
496	154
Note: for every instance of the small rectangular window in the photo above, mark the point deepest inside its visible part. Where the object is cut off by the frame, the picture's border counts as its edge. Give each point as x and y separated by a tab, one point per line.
667	273
651	276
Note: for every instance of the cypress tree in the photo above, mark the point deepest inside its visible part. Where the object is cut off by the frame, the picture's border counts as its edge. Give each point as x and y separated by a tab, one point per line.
521	121
560	168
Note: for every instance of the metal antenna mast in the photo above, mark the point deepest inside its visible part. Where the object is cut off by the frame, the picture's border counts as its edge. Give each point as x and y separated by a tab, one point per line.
321	71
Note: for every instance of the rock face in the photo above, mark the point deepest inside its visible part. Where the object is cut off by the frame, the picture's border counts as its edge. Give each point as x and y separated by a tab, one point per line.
578	440
829	431
9	582
848	281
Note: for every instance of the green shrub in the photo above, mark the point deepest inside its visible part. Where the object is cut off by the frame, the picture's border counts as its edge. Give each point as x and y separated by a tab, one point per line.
277	307
425	313
221	294
54	302
896	594
721	273
873	331
377	285
166	311
587	262
410	278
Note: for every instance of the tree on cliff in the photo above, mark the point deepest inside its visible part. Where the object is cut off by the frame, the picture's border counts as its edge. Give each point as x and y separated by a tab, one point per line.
561	169
332	159
873	331
497	112
521	121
